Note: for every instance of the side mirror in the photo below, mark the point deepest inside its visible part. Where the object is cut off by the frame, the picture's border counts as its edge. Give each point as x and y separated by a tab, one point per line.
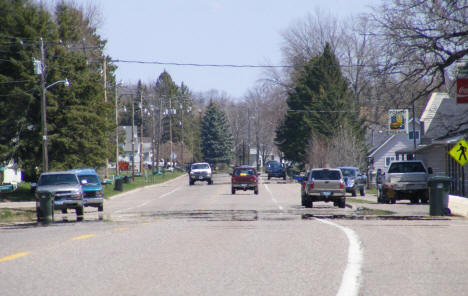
430	171
230	174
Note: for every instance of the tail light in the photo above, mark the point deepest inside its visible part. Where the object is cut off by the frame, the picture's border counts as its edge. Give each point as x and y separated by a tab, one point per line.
254	179
303	185
341	184
311	185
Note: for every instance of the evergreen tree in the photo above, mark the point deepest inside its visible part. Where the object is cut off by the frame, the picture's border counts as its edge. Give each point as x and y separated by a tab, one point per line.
22	25
216	138
79	121
320	105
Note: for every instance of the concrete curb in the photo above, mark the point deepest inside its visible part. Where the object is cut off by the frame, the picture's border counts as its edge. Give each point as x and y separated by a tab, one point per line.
458	205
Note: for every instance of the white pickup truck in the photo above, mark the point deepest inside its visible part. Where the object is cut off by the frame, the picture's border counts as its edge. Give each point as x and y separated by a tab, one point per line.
405	179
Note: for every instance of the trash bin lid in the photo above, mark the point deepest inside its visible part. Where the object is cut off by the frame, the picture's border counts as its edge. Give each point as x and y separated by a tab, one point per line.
439	179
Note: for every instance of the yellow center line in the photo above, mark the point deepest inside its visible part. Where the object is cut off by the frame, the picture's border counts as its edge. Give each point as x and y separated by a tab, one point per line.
14	256
121	229
83	237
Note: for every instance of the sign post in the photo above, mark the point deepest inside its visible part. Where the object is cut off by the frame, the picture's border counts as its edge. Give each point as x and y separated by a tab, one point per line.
459	152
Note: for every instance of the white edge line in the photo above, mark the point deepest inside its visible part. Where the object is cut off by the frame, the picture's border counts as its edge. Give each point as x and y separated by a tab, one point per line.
352	275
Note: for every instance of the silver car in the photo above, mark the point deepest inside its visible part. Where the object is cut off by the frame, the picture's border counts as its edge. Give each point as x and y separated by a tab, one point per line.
66	189
323	184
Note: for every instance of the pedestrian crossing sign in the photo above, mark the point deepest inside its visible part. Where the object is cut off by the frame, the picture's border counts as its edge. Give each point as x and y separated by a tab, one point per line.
459	152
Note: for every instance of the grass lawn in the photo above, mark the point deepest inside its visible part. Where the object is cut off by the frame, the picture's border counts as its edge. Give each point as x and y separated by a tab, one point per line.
23	193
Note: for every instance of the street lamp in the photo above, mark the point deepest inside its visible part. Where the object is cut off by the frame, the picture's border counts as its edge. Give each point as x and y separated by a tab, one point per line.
45	154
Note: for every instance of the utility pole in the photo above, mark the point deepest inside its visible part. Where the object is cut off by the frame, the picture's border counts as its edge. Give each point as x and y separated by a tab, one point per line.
159	132
117	173
170	129
45	154
248	137
182	132
141	133
104	70
133	139
153	132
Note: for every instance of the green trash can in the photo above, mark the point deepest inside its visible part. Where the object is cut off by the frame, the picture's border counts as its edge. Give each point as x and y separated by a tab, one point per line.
118	184
45	212
439	188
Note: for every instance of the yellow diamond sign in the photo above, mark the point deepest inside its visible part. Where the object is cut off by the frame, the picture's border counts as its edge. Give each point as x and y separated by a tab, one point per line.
459	152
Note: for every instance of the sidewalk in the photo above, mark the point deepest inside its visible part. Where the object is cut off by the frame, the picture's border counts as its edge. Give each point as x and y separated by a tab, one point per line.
457	205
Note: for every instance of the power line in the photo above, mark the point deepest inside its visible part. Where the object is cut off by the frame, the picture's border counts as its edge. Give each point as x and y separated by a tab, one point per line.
199	65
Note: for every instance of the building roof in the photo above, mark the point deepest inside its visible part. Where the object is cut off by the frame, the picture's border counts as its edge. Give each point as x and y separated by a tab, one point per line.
443	116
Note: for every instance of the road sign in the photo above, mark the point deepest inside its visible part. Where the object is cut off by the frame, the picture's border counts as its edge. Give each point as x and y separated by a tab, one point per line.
398	121
459	152
462	90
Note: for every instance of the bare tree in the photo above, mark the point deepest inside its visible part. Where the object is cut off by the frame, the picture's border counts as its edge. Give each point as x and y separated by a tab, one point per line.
420	40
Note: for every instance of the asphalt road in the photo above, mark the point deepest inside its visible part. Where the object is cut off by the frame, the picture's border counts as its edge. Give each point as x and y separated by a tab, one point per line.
176	239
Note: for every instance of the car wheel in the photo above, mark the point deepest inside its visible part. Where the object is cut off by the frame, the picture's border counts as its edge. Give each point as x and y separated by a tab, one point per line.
353	193
210	182
100	208
362	191
79	213
64	211
342	203
284	177
308	203
256	190
39	215
269	177
191	182
233	191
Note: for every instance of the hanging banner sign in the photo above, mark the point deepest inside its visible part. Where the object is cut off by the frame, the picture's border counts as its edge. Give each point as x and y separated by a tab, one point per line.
462	90
398	121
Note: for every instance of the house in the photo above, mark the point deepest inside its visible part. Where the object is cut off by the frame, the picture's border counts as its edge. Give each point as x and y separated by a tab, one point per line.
445	123
10	177
386	147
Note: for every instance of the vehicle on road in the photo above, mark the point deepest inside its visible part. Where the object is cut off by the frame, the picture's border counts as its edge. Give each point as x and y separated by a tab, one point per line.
244	178
404	179
200	171
323	184
92	188
66	189
275	169
354	180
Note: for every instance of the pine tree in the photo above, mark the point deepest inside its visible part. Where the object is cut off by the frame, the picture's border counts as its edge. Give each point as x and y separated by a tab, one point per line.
216	138
320	105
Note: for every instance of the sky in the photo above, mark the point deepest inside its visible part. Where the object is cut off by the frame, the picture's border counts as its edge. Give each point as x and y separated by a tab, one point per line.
236	32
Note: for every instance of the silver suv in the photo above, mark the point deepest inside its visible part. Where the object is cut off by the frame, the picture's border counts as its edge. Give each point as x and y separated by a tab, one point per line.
200	171
66	189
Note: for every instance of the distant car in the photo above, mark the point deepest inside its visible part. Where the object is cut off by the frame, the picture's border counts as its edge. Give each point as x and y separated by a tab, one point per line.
354	180
92	188
323	184
66	189
244	178
275	169
200	171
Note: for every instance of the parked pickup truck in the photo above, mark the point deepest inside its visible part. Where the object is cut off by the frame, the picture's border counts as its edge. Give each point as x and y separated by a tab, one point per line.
405	179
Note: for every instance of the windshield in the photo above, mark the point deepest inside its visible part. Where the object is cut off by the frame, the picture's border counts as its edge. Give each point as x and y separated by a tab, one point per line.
348	172
200	166
406	167
326	175
244	172
58	179
274	164
91	179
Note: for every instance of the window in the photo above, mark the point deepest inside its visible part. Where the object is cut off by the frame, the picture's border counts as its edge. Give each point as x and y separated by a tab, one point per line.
388	160
411	137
